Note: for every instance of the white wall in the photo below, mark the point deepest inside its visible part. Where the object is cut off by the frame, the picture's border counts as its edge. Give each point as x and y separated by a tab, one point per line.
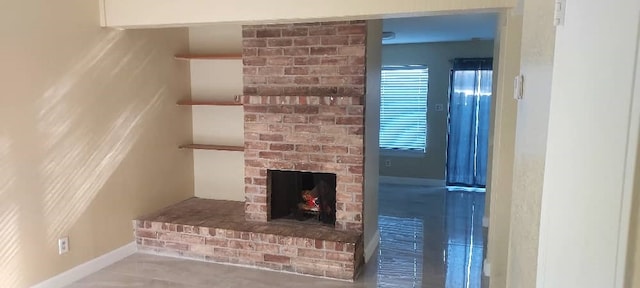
185	12
217	174
593	132
220	38
216	79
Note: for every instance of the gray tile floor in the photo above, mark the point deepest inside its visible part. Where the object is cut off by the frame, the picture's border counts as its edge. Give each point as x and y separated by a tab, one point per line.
430	238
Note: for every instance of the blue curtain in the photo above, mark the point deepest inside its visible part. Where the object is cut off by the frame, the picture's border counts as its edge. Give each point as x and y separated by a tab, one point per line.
469	108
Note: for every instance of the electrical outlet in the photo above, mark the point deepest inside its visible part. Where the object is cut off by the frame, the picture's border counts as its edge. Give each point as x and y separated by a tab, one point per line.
63	245
387	163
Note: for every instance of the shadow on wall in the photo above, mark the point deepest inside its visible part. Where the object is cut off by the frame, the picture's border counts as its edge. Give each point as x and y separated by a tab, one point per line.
6	177
78	149
10	265
9	276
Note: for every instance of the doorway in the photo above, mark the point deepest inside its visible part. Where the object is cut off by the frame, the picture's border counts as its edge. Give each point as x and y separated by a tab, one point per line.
469	121
430	236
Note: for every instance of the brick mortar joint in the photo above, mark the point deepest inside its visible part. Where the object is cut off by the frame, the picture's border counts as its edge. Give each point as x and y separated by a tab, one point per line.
299	262
304	100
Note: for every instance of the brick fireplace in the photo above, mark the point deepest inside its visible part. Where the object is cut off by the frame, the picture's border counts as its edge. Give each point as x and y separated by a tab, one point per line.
304	126
304	95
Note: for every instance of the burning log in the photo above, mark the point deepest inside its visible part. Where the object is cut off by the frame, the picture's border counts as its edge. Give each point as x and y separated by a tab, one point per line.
319	201
310	198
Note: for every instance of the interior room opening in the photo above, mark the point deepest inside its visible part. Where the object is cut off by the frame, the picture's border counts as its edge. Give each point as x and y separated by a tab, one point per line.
436	86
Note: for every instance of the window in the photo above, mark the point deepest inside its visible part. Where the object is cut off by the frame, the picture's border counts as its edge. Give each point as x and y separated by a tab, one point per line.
403	108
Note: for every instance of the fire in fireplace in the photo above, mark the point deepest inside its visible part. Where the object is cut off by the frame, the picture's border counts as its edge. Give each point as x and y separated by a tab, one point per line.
302	195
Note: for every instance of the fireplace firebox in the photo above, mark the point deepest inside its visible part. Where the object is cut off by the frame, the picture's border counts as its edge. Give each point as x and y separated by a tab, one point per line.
304	196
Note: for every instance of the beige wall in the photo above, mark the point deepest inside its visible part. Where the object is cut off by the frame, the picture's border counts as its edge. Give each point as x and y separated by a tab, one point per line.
632	279
436	56
372	135
88	134
632	276
128	12
500	175
220	38
538	41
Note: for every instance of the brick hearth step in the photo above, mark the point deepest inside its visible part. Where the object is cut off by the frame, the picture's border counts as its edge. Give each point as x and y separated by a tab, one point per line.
216	231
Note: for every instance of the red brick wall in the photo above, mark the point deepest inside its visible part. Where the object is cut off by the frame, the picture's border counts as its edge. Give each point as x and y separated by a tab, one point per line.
333	259
304	95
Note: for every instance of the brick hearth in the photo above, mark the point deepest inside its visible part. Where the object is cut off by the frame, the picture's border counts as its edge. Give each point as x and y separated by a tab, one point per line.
216	231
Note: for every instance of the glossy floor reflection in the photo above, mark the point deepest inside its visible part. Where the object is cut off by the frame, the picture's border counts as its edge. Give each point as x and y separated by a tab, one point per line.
430	238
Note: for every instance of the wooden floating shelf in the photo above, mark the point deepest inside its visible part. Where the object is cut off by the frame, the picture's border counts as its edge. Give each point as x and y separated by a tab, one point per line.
212	147
208	57
208	103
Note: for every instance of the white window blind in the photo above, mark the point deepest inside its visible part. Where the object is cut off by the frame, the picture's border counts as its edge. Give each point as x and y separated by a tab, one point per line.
403	108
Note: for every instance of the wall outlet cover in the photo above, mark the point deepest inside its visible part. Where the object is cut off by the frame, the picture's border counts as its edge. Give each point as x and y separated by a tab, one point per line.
63	245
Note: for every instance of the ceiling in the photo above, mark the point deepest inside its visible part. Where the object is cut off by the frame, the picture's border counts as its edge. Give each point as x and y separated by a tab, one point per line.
441	28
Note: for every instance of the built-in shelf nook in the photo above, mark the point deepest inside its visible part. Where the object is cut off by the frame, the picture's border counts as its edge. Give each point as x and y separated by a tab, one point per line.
208	57
189	102
212	147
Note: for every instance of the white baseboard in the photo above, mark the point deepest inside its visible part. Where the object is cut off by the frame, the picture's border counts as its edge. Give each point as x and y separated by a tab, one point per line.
485	222
486	268
85	269
370	247
412	181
